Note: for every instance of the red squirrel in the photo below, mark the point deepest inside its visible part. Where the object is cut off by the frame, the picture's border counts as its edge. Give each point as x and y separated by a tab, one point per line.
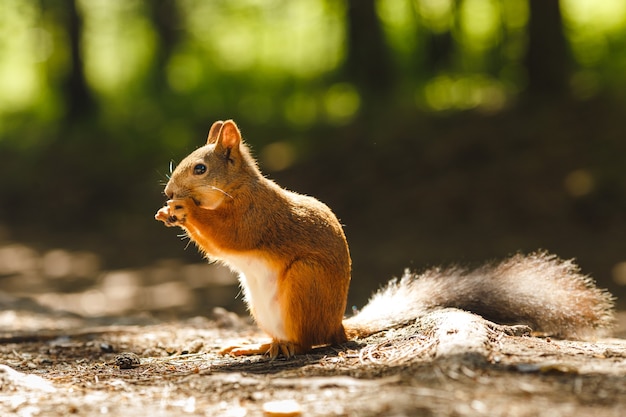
293	262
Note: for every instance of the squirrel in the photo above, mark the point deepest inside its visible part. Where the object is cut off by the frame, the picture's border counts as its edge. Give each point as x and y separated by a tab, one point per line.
294	264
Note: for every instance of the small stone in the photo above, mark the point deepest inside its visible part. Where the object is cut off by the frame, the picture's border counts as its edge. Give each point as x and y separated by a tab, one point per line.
127	360
105	347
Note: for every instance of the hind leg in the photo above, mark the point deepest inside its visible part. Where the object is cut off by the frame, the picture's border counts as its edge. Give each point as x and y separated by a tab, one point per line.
272	349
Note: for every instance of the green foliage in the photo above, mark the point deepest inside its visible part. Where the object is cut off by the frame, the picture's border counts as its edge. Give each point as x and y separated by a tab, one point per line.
98	96
280	61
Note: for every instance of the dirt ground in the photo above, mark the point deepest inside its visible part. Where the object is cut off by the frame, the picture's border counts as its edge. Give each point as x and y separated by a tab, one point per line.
76	339
450	363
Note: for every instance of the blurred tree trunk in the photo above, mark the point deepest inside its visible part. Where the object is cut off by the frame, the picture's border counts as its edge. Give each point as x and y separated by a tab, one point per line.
438	49
368	62
165	17
79	102
547	59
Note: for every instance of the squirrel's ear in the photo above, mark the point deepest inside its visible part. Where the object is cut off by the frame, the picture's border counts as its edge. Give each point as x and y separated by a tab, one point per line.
214	132
229	136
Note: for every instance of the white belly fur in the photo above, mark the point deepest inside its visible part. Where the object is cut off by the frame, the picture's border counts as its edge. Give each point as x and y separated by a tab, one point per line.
259	284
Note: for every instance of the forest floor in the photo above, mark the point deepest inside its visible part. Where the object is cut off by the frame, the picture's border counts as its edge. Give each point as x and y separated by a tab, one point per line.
79	340
449	363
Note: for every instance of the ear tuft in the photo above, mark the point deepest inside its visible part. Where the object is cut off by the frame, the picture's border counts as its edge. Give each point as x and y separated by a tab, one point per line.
229	136
214	132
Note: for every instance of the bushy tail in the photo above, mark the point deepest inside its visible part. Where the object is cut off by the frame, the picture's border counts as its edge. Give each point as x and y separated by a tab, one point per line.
539	290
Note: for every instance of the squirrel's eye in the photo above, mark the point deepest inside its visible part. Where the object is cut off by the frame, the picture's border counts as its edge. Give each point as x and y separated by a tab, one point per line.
199	169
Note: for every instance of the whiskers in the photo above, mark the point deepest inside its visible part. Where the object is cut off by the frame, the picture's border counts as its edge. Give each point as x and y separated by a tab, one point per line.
211	187
185	236
163	182
168	176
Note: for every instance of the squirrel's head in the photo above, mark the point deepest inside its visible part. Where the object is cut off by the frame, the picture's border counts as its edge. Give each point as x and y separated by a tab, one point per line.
207	174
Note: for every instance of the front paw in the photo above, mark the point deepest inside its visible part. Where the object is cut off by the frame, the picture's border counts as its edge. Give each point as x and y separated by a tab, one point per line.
174	213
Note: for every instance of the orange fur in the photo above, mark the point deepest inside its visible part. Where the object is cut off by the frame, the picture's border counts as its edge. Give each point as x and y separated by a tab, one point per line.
295	237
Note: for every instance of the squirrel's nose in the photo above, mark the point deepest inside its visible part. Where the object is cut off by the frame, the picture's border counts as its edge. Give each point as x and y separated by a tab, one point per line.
169	192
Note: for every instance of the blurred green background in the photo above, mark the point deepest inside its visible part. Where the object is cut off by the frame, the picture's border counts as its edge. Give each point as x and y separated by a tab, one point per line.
439	131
